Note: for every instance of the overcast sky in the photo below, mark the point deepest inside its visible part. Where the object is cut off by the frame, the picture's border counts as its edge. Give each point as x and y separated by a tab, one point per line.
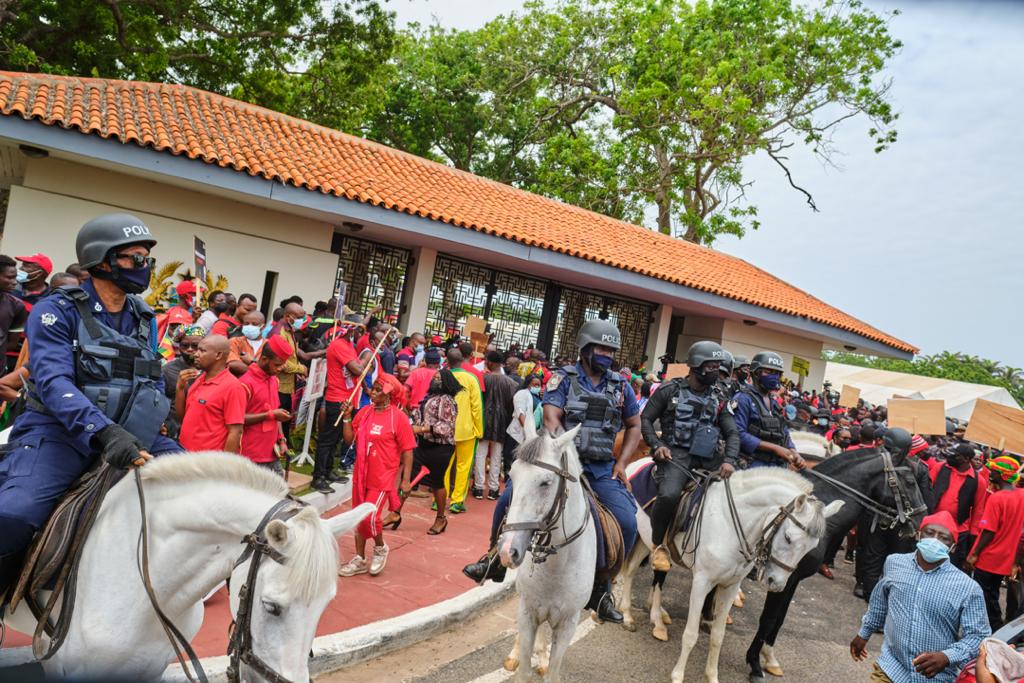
923	241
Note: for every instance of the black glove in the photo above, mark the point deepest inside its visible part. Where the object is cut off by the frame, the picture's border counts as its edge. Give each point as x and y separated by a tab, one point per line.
118	446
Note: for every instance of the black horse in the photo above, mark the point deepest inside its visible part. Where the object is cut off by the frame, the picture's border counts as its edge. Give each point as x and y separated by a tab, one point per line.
863	471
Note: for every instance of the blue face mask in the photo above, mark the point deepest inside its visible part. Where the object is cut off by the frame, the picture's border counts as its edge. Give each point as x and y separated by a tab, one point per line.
297	323
418	348
600	362
252	331
132	280
933	550
22	276
769	382
535	391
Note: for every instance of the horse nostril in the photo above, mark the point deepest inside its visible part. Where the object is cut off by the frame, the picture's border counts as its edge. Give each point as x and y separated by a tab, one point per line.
513	555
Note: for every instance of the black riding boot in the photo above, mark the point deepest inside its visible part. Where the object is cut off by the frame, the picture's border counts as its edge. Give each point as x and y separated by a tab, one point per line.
602	602
487	567
10	565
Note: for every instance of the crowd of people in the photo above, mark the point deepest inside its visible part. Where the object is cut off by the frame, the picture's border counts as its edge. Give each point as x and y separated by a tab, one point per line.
92	370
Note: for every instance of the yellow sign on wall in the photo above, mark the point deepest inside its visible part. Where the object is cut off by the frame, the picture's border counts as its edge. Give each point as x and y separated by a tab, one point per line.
801	366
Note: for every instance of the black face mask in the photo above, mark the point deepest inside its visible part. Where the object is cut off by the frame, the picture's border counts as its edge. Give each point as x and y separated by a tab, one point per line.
742	376
843	443
707	377
219	308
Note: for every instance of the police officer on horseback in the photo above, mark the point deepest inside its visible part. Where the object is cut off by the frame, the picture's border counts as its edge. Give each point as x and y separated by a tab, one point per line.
764	436
589	394
694	414
95	383
726	382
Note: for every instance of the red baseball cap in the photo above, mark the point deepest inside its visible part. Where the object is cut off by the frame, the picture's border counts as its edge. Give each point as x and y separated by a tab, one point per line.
185	288
280	347
41	260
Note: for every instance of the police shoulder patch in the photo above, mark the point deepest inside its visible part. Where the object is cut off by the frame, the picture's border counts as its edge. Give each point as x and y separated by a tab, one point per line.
556	379
48	319
731	406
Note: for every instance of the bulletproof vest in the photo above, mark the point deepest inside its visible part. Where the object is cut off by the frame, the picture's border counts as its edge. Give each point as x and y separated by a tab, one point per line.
729	387
771	423
597	411
117	373
694	421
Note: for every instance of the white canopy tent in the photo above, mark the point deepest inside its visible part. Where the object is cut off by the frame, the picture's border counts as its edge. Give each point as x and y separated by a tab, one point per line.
878	386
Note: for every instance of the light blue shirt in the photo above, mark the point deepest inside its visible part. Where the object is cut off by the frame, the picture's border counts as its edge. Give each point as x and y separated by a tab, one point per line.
942	610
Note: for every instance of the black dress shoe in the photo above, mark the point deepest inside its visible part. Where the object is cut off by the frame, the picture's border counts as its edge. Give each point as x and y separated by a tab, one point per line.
322	485
858	591
337	476
605	608
486	567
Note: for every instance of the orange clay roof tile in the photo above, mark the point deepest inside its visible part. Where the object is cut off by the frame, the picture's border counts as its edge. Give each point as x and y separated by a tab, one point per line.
260	142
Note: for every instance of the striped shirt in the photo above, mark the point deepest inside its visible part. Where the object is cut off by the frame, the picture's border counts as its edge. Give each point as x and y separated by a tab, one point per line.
942	610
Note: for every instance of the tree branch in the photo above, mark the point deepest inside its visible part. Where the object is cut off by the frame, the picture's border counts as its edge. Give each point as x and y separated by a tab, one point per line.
789	176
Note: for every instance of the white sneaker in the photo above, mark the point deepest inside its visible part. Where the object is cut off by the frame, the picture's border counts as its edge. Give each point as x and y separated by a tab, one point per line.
357	565
379	559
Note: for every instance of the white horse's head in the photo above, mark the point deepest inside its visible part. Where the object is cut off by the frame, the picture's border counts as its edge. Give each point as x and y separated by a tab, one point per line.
536	488
799	533
289	597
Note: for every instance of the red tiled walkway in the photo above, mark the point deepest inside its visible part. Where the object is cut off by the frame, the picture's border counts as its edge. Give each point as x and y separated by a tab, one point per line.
422	570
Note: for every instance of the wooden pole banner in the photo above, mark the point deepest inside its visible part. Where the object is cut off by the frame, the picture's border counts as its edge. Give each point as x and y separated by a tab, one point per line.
917	416
474	324
996	425
673	370
849	396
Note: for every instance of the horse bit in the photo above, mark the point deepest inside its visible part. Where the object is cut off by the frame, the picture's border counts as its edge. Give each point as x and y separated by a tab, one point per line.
541	546
761	554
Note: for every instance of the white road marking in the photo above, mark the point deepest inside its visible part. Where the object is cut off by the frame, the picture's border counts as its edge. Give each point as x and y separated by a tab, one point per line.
585	626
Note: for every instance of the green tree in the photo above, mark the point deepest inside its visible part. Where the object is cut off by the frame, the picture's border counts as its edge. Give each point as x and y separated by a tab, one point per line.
290	55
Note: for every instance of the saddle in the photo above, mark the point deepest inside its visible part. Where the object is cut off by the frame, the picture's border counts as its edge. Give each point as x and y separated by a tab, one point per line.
52	559
610	544
645	490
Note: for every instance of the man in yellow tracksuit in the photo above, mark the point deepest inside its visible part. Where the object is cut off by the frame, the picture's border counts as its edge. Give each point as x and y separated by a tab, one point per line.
469	426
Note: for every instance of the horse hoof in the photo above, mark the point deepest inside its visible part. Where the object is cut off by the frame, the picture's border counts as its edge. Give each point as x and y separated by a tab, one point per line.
629	626
666	619
597	619
542	671
773	669
660	633
738	602
756	678
510	664
728	620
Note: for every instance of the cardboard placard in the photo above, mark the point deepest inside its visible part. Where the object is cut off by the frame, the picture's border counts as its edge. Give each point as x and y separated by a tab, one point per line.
479	340
849	396
673	370
474	324
917	416
801	366
997	426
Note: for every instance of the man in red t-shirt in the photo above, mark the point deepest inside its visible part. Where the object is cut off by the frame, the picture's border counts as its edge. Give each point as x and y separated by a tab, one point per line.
467	352
212	409
419	379
995	552
343	368
263	414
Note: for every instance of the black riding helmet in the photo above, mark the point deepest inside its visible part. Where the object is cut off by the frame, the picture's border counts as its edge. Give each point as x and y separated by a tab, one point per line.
103	234
896	440
767	360
600	332
727	364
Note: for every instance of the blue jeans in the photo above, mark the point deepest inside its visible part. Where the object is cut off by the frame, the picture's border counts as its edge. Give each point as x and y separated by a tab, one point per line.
612	493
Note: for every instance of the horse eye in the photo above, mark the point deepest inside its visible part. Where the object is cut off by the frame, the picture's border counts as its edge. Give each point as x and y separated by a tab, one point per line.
545	484
272	607
788	539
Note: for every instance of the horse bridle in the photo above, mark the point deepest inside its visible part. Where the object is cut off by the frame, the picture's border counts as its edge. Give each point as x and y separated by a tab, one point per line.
885	516
761	554
540	542
240	633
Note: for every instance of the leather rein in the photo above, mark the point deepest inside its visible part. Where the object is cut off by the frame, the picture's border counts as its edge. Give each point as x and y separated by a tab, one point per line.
886	516
761	554
240	638
540	543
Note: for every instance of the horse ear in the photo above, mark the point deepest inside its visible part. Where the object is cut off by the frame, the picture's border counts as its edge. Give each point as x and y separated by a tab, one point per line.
277	534
346	521
563	440
832	508
800	501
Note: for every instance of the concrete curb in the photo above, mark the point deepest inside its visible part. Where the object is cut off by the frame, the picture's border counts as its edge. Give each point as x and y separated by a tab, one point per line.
337	650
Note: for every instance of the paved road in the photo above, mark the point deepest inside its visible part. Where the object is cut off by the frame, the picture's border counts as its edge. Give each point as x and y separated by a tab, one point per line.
812	648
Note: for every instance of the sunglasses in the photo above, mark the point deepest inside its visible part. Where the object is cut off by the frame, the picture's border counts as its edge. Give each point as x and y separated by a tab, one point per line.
138	260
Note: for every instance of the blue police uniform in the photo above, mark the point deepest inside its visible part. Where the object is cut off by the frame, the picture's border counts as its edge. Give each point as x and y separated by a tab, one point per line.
751	415
51	444
611	492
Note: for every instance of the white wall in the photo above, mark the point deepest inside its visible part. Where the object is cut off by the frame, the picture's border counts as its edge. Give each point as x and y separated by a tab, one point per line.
746	340
242	242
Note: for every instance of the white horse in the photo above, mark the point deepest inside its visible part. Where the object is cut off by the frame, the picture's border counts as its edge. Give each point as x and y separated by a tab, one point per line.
813	446
765	499
199	508
549	498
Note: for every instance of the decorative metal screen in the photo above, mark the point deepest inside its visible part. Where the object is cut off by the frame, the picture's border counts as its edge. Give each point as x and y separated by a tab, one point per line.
576	307
374	274
510	302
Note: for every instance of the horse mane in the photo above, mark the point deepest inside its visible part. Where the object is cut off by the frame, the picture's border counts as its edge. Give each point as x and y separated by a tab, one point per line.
189	468
809	437
746	480
531	450
311	553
